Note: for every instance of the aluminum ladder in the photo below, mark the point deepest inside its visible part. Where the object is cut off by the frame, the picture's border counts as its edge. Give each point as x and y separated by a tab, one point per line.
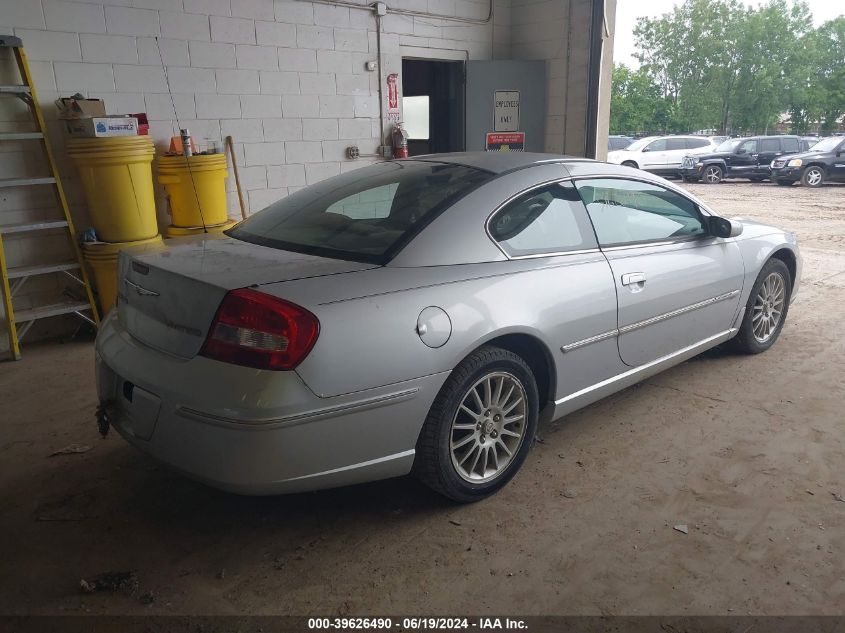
13	279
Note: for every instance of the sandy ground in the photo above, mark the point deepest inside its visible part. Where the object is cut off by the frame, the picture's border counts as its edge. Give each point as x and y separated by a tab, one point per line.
746	451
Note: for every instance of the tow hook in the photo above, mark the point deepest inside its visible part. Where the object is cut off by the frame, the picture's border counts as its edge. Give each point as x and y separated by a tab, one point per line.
104	416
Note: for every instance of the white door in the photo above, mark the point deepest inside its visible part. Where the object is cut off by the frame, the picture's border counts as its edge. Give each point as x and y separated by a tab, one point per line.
653	156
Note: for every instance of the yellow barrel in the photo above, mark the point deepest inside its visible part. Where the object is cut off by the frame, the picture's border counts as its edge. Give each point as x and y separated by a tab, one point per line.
196	186
118	181
102	259
181	231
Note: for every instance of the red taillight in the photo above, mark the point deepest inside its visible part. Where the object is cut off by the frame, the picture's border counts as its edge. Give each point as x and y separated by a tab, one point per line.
258	330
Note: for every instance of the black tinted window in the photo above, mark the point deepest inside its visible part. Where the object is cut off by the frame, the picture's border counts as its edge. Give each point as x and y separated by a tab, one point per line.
790	145
695	143
769	145
747	147
630	211
551	219
675	143
363	215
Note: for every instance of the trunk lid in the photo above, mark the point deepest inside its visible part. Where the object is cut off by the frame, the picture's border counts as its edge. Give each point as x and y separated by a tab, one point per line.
168	295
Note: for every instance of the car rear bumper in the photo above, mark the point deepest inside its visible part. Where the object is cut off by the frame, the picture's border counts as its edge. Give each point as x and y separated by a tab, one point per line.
256	432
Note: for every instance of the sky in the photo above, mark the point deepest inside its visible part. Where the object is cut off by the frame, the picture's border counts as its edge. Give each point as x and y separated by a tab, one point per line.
627	12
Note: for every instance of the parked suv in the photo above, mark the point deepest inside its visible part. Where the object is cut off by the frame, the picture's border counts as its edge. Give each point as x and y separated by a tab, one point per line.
661	154
824	162
740	158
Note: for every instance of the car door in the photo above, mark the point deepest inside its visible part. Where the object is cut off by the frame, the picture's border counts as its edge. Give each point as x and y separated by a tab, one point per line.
744	159
767	150
837	164
676	148
676	285
653	155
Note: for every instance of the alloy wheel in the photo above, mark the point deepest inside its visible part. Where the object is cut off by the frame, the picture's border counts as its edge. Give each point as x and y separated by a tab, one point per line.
489	427
713	175
768	307
814	176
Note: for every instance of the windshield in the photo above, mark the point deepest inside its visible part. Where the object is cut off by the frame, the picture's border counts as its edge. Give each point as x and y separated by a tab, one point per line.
827	144
364	215
729	145
638	145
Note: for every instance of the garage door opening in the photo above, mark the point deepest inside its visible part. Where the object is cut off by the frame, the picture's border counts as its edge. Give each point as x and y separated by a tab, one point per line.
433	105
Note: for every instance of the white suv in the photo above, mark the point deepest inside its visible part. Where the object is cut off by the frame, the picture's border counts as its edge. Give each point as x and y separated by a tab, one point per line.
661	154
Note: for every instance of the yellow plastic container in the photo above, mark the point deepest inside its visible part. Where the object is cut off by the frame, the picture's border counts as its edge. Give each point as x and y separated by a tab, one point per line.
181	231
196	186
102	259
118	181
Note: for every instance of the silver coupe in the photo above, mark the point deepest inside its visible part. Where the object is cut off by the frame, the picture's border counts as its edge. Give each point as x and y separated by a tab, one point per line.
423	316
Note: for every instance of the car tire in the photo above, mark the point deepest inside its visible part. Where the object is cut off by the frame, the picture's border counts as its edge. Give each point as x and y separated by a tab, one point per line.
785	183
462	428
712	175
630	163
813	176
773	282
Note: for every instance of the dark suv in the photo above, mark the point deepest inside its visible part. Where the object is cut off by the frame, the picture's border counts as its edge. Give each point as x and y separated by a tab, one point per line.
740	158
824	162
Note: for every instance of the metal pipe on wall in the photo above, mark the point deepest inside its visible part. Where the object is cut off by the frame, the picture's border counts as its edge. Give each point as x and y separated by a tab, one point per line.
419	14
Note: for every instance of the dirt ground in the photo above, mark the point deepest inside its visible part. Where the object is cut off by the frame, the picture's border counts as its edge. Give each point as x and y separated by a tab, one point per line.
748	452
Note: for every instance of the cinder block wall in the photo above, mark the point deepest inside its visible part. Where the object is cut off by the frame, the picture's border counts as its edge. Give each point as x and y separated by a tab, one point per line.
287	79
558	31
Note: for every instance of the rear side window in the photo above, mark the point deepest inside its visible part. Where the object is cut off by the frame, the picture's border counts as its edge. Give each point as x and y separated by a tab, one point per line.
364	215
551	219
696	143
630	212
790	145
769	145
676	143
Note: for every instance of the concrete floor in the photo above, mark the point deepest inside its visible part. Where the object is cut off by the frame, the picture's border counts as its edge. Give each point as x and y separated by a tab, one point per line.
746	451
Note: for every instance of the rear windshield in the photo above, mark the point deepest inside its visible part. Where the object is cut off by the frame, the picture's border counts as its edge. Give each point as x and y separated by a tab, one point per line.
365	215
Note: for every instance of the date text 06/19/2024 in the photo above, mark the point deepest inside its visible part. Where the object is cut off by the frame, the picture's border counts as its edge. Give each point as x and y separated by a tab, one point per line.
416	624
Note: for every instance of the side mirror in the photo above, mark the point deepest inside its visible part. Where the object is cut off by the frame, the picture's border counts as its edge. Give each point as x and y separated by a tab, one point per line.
645	149
741	151
720	227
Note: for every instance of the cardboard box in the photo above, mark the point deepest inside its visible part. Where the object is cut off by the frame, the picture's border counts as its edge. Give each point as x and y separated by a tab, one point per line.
74	108
102	126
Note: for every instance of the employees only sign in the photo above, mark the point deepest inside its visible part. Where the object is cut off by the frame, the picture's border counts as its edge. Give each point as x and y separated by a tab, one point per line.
506	110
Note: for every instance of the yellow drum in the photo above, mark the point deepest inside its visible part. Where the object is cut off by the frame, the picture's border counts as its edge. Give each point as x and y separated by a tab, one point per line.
102	259
196	187
181	231
118	182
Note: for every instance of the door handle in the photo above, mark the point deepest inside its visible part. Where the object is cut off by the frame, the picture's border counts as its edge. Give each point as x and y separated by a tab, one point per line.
629	279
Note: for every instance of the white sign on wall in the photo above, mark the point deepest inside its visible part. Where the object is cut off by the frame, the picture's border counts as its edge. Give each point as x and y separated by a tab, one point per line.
506	108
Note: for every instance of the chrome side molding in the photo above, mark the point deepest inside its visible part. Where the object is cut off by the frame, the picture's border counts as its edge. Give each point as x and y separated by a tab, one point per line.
614	383
646	322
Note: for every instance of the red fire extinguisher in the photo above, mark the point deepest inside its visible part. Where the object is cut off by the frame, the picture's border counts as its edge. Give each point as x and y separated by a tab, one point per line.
400	141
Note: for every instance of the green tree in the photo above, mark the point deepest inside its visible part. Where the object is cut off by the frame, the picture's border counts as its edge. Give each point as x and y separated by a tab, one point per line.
636	104
720	64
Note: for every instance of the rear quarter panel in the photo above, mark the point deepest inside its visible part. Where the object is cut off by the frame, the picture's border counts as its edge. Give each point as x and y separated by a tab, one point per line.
371	340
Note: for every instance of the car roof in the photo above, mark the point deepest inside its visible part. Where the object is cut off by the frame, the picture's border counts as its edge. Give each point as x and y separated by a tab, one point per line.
499	162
